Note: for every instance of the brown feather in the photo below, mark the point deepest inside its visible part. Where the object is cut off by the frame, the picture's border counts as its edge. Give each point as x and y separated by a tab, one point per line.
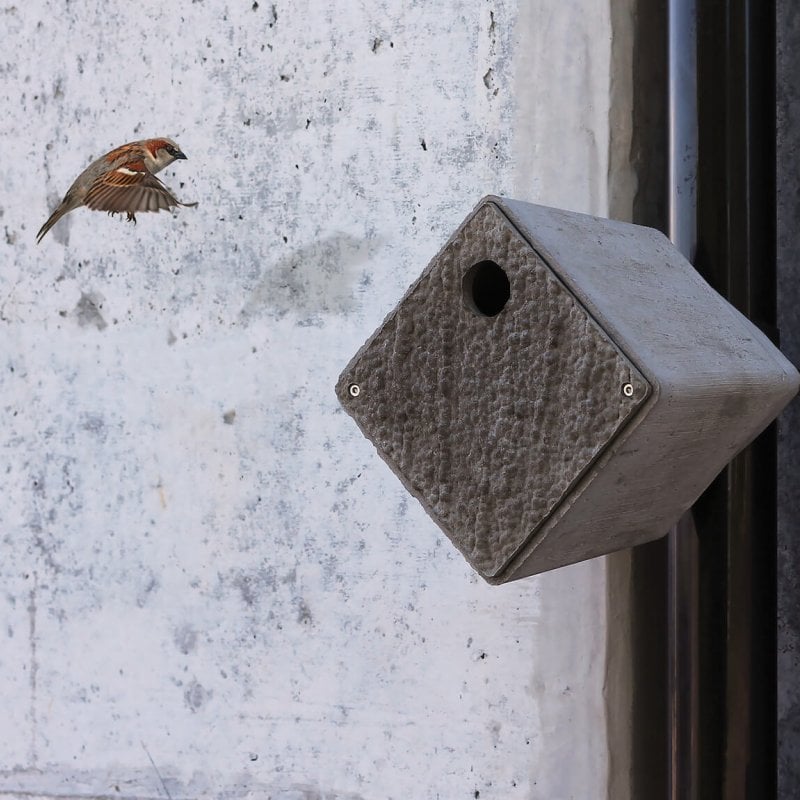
131	190
54	217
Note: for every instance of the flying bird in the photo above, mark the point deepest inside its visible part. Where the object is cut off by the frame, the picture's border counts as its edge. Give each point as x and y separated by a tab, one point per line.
122	180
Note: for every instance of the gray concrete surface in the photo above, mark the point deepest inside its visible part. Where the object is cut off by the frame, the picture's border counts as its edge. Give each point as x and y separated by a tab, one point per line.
203	596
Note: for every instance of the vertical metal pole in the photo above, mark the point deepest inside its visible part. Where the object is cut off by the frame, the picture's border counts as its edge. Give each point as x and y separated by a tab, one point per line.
683	657
682	122
682	551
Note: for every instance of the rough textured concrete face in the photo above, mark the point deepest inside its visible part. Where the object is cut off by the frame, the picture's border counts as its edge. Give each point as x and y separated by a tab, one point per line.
490	390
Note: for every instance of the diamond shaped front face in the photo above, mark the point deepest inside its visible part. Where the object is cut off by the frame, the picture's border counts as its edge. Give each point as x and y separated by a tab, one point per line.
490	390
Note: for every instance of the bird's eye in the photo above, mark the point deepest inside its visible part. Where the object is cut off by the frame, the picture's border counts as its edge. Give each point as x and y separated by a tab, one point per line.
171	150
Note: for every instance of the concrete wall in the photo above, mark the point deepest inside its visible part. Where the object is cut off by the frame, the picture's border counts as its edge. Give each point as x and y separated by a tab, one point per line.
211	586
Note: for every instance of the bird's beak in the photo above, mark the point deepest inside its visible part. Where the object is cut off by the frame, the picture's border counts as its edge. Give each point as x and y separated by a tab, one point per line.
181	154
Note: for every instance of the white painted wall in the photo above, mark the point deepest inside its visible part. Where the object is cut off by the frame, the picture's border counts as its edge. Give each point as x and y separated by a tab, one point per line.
212	587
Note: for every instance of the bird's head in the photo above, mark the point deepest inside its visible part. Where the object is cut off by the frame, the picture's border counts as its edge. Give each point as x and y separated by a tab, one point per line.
160	153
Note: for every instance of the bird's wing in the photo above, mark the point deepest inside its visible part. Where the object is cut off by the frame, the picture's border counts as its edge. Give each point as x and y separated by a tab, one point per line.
130	187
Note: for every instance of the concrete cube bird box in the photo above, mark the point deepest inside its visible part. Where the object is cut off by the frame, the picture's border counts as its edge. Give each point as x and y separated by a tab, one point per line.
555	387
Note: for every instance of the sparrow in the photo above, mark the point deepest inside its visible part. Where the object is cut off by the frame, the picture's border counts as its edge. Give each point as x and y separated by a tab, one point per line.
122	180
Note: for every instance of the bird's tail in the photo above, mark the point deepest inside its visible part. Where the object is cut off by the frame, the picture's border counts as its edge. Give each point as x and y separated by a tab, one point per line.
63	208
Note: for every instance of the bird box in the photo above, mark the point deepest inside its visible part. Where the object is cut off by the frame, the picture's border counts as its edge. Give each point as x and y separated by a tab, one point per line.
555	387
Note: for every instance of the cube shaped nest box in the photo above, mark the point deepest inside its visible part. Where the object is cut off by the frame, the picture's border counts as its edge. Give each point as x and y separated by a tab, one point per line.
556	386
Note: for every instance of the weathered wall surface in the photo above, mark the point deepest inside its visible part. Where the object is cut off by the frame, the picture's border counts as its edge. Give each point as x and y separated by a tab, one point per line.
211	585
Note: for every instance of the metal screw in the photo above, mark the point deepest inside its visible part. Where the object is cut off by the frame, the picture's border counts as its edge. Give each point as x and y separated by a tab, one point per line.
354	389
627	390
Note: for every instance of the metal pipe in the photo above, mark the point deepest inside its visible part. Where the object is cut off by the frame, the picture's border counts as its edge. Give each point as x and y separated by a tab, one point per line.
682	123
682	551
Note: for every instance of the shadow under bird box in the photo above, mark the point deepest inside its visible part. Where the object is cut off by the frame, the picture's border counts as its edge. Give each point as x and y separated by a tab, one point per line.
556	387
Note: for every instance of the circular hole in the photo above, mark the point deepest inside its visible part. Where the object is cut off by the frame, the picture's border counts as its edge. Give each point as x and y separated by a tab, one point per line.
486	288
354	389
